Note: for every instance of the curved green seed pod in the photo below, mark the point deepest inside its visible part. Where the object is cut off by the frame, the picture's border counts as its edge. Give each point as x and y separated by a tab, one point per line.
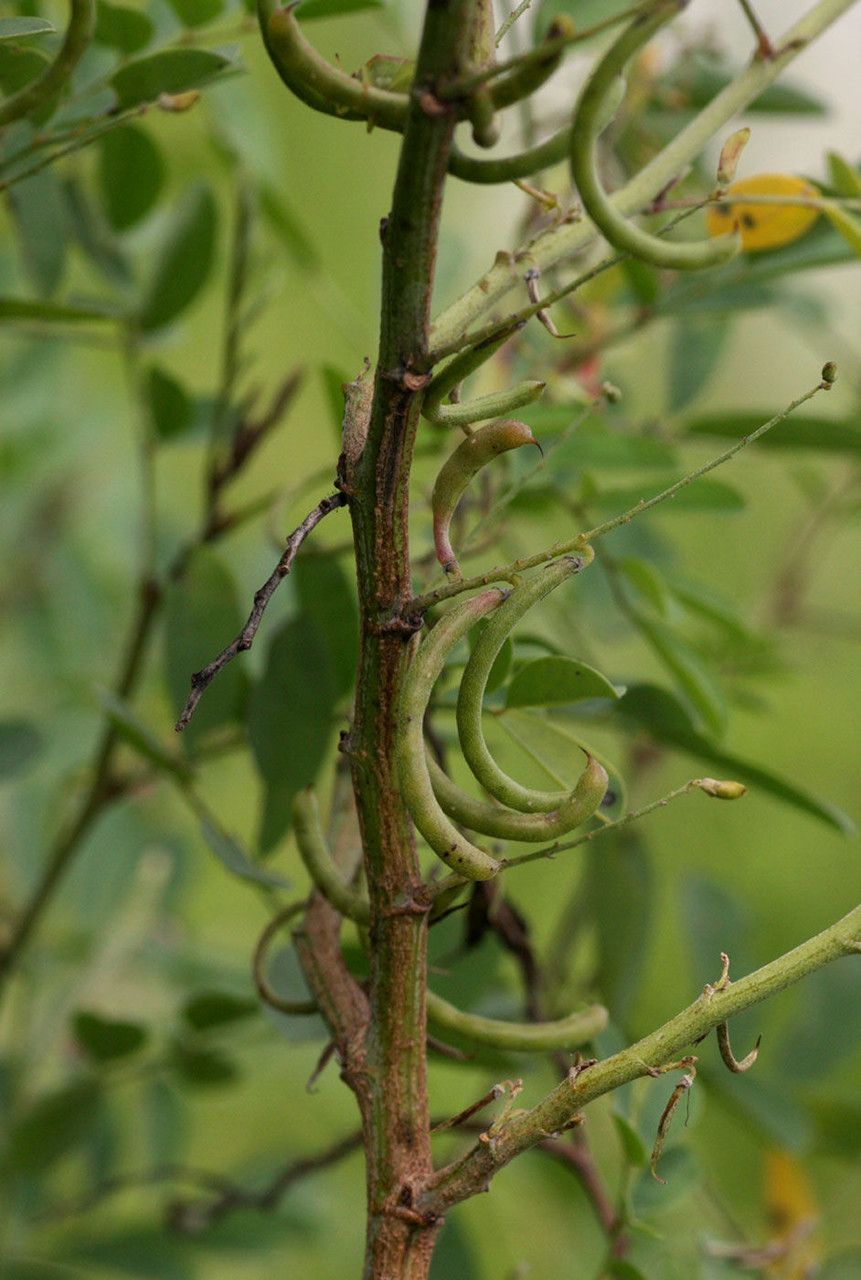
474	682
258	965
441	834
79	33
528	1037
566	1033
316	82
508	824
509	168
622	234
496	405
469	457
525	79
318	860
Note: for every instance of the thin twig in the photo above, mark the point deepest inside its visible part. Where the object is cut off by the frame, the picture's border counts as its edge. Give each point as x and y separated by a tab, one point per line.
764	47
468	1112
581	541
200	680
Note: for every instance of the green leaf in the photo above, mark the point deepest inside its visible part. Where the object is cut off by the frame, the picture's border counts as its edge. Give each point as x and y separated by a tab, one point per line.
551	681
844	177
665	719
801	431
94	236
290	720
232	856
183	261
211	1009
454	1257
171	71
333	380
146	1252
107	1039
19	66
648	581
202	1068
838	1126
841	1266
131	175
294	236
202	615
621	888
696	346
848	226
694	679
54	1124
310	9
196	13
169	404
20	744
328	598
700	79
714	496
12	309
127	30
681	1175
622	1269
13	28
38	207
821	1020
633	1147
554	746
132	729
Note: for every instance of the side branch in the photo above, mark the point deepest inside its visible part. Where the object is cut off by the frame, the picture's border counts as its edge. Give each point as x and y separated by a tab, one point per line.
473	1172
200	680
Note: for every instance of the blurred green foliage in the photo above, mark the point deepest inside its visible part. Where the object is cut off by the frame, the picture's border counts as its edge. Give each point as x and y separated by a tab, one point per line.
170	266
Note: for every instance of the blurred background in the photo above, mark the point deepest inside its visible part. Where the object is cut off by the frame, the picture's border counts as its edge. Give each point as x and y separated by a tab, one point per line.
753	588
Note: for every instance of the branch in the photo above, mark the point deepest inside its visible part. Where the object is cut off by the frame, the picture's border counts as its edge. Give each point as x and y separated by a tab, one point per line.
580	543
474	1171
560	243
201	679
192	1217
79	33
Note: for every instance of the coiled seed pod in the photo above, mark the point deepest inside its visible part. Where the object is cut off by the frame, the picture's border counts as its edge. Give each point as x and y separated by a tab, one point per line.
588	116
443	837
474	682
508	824
469	457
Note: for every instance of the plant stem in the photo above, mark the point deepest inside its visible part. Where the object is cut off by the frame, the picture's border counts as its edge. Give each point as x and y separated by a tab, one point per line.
39	92
560	243
581	541
395	1109
473	1172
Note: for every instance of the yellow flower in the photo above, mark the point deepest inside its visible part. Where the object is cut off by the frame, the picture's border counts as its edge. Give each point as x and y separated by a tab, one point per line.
764	226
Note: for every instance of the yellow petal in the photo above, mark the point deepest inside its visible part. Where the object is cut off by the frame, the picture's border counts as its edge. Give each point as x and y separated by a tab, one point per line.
764	226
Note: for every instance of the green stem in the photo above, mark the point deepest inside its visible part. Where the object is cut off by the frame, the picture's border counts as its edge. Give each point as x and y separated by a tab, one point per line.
566	1033
588	120
523	1037
560	243
581	541
39	92
509	168
473	1172
316	82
